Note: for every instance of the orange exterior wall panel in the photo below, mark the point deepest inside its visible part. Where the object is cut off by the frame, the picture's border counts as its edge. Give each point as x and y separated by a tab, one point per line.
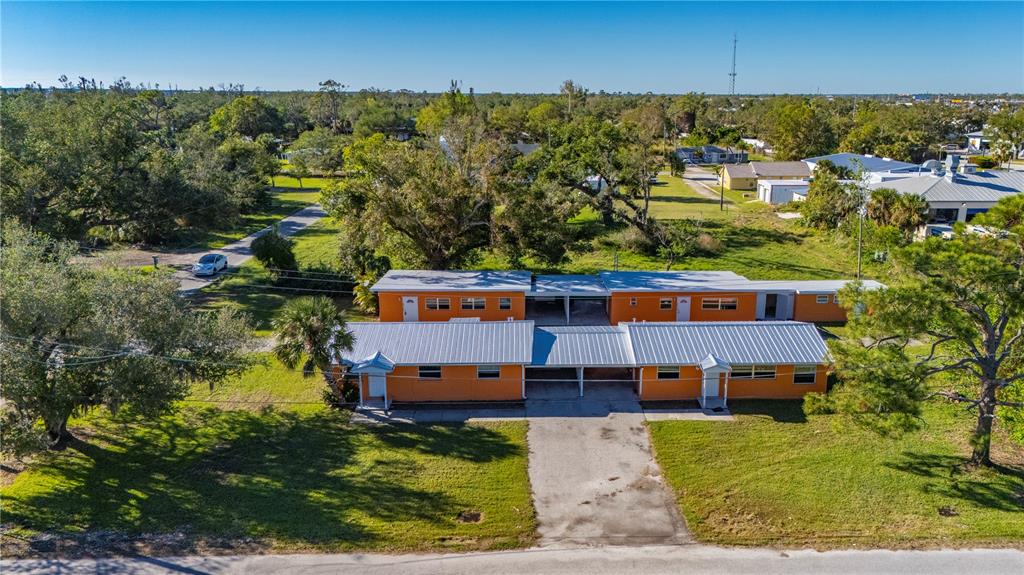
807	308
688	386
390	305
457	383
648	307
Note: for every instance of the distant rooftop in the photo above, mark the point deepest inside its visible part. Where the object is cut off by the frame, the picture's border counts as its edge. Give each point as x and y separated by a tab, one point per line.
869	163
427	280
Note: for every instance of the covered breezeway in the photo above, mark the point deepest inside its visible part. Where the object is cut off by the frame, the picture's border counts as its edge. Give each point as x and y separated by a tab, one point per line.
577	382
567	300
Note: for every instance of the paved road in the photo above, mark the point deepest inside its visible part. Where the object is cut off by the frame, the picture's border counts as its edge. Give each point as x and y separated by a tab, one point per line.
594	478
649	560
239	252
702	181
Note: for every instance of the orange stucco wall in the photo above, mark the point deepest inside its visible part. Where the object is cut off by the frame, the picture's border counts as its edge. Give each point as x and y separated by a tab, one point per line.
688	386
807	308
648	307
390	305
457	383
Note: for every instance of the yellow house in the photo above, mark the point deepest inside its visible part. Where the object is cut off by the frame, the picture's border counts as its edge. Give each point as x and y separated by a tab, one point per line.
746	176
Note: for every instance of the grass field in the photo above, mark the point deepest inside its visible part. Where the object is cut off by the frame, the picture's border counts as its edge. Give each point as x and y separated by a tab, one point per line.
776	477
281	478
251	290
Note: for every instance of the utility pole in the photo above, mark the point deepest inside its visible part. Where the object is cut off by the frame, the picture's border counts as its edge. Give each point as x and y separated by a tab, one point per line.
732	75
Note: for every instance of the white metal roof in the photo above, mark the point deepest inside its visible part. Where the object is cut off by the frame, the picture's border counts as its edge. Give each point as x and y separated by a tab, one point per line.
428	280
665	281
869	163
443	343
989	186
801	286
784	342
571	346
572	285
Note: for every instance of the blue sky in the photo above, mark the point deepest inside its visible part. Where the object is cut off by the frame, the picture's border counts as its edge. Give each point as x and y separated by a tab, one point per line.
804	47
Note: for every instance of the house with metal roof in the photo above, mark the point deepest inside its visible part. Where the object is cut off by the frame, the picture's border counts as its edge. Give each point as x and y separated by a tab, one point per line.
958	197
866	162
499	361
608	298
747	176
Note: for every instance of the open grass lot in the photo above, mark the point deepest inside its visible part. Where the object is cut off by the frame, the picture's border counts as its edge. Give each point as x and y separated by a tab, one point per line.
250	288
285	201
287	477
774	477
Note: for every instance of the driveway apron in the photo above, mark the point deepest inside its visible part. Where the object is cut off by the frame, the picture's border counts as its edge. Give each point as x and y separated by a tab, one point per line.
594	478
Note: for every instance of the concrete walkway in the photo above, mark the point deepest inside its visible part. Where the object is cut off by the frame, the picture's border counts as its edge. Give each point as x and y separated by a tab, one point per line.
241	251
650	560
594	478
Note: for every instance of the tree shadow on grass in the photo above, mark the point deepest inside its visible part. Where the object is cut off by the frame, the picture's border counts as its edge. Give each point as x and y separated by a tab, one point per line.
684	200
779	410
295	478
1000	487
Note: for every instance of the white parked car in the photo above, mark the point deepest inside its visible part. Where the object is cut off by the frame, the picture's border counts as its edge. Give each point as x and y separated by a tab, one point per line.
210	264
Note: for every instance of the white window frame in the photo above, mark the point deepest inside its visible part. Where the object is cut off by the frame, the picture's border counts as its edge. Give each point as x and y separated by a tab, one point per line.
821	299
632	302
665	303
489	369
753	372
804	370
505	303
437	303
473	303
719	303
835	299
667	372
430	370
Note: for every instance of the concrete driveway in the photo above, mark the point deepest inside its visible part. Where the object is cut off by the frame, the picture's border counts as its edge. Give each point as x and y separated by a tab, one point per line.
594	478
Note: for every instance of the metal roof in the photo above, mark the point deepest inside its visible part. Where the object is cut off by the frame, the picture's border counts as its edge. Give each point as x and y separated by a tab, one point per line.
989	186
574	285
428	280
570	346
740	171
777	169
801	286
443	343
783	342
666	281
869	163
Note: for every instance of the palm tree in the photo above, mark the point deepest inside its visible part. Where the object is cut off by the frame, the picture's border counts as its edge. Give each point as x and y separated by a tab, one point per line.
881	205
909	212
363	297
311	331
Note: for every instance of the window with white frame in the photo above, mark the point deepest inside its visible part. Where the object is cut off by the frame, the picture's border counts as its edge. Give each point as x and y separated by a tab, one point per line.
668	372
752	372
632	302
474	303
504	303
488	372
822	299
718	303
430	372
805	373
438	303
835	299
665	303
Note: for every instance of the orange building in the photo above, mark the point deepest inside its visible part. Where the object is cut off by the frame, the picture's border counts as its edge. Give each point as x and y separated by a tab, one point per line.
493	361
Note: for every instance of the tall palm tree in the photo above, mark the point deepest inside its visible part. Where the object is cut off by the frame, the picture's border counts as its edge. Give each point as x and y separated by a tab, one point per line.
909	212
881	205
311	331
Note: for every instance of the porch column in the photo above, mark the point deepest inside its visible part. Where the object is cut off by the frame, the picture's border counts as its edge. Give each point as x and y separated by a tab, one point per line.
703	388
362	379
579	377
566	310
725	396
522	379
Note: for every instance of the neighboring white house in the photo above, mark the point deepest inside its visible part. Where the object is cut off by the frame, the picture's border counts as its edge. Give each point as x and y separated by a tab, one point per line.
953	196
977	142
777	192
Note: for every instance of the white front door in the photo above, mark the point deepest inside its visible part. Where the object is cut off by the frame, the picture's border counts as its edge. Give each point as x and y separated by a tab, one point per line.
410	308
378	385
711	384
683	308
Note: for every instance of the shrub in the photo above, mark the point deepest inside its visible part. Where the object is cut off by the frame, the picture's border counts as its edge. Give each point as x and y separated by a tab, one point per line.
275	252
985	162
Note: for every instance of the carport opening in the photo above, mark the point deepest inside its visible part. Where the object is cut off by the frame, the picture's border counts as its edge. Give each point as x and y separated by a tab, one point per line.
557	310
563	382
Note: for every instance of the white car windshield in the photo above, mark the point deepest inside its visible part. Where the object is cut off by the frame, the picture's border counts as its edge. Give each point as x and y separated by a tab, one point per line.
208	259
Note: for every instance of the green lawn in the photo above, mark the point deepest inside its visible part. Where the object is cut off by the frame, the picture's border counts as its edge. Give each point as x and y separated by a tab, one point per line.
776	477
289	477
285	201
250	288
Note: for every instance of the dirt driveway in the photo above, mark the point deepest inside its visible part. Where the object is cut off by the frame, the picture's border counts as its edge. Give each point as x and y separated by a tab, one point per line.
594	478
